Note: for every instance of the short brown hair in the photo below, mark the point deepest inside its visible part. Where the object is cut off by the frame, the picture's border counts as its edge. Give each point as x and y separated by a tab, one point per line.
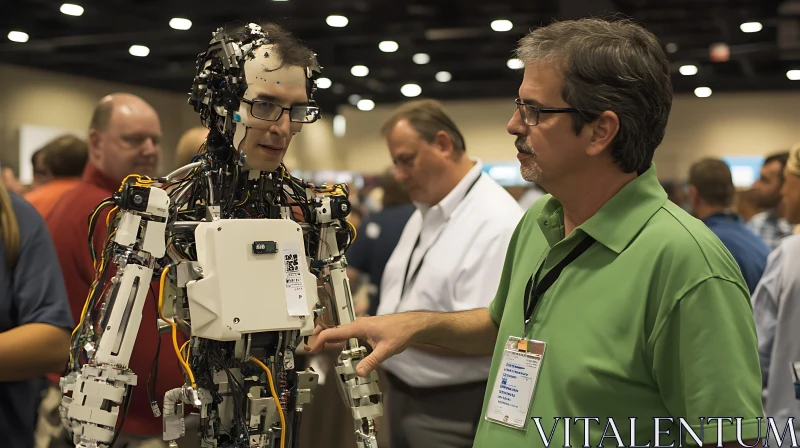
610	65
66	156
713	181
427	117
292	51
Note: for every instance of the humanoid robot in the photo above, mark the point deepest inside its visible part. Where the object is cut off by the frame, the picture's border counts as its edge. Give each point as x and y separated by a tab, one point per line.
248	257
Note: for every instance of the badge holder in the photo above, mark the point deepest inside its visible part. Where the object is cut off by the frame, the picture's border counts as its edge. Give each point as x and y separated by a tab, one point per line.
515	383
796	374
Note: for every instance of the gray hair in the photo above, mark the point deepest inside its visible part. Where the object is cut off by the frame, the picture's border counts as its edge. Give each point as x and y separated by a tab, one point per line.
610	65
427	117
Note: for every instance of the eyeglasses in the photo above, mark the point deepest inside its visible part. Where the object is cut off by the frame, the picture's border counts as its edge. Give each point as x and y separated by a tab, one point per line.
530	113
269	111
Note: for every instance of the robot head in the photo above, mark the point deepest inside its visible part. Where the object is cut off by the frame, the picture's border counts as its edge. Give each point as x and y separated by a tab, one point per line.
254	89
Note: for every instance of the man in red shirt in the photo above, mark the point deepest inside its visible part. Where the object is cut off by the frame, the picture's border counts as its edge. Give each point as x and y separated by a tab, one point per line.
124	138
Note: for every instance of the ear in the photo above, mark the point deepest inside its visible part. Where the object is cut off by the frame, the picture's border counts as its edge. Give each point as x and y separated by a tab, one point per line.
604	129
443	143
693	195
94	144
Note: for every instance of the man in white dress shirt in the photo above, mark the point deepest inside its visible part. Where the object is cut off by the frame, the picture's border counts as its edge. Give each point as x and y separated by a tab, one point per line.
449	258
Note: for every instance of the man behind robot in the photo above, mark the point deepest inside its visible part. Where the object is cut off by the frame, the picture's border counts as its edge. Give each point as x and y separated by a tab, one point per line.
239	246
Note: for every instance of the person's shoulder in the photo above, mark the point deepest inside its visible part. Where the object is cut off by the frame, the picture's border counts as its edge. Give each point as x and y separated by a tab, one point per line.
497	204
77	201
25	212
688	244
789	245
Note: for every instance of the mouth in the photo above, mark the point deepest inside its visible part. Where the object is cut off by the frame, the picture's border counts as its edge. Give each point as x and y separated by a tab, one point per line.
270	148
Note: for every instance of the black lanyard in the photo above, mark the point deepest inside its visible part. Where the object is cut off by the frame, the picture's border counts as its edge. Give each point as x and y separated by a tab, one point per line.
406	280
535	289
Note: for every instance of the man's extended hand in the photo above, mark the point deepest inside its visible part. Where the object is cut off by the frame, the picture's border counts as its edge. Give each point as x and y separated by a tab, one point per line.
388	335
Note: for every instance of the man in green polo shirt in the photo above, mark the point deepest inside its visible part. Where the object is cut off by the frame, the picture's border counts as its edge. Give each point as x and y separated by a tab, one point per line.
646	337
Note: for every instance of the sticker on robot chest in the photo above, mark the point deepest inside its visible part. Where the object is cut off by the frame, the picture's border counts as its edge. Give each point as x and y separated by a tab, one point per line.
296	301
515	383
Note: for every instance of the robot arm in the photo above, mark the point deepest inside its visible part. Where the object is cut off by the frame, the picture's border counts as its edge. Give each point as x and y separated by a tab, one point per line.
94	390
362	395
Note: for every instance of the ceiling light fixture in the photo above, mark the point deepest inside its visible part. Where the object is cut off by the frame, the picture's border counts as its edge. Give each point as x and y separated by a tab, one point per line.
339	125
139	50
388	46
178	23
702	92
443	76
688	70
324	83
750	27
337	21
71	9
18	36
359	71
366	105
411	90
671	47
515	64
421	58
502	25
354	99
793	75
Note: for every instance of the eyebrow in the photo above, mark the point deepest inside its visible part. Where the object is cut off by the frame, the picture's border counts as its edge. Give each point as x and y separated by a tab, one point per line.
531	102
274	99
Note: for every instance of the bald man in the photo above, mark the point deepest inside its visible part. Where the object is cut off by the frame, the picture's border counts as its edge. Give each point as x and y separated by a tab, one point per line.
189	145
124	138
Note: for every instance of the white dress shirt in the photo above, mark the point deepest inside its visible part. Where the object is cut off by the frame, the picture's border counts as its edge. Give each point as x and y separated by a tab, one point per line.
776	309
454	266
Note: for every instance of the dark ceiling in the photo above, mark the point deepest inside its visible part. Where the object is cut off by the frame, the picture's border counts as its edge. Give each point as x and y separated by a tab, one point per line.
456	35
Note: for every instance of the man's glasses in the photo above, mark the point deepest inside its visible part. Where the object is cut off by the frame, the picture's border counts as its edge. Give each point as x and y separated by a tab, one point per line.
530	113
269	111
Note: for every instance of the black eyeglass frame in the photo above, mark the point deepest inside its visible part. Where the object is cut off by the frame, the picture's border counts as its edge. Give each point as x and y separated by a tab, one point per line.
523	109
252	104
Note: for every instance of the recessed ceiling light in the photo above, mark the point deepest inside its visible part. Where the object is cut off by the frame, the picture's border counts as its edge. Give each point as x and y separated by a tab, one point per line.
702	92
354	99
324	83
793	75
71	9
180	24
515	64
366	105
411	90
671	47
359	71
139	50
750	27
688	70
18	36
337	21
388	46
443	76
339	125
421	58
502	25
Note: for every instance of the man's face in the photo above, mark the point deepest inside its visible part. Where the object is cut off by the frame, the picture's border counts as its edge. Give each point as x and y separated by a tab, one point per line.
132	142
264	143
418	164
768	186
549	150
790	198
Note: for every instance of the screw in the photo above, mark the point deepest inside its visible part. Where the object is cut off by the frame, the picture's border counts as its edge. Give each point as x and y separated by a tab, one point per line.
219	229
236	320
343	207
137	199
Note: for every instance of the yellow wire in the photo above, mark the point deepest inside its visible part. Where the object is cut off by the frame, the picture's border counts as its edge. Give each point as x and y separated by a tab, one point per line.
274	397
183	347
108	216
174	329
355	232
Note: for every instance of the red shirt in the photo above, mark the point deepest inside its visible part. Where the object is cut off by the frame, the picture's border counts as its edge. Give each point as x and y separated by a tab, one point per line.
68	224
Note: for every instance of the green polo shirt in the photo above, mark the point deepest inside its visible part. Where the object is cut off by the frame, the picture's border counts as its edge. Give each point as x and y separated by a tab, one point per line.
652	321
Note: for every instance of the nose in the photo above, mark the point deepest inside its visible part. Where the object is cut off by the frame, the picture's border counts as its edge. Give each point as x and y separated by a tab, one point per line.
150	147
515	125
401	174
283	126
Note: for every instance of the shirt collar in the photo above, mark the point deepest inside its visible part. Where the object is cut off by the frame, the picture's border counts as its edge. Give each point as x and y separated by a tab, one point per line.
92	175
722	216
453	199
620	219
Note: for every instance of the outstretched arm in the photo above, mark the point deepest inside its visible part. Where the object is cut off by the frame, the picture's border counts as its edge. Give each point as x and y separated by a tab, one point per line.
31	350
471	332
